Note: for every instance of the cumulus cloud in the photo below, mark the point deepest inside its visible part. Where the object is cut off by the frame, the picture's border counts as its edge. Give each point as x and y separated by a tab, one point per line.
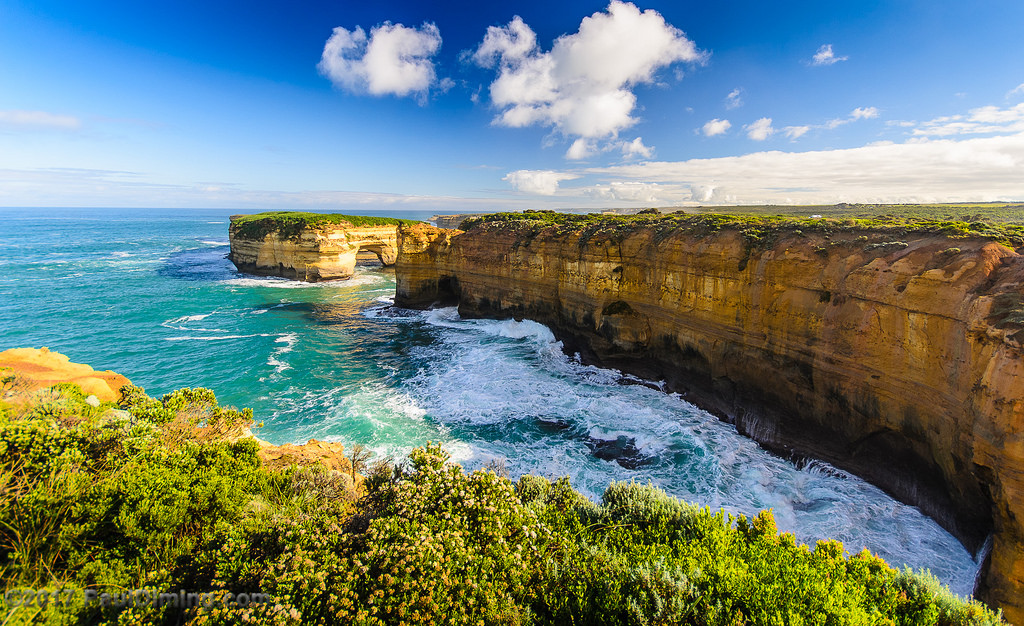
541	182
734	99
825	56
703	193
982	120
715	127
38	120
583	86
636	149
580	149
760	130
393	60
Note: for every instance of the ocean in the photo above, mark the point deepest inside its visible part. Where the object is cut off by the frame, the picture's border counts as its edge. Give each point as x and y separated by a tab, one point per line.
149	293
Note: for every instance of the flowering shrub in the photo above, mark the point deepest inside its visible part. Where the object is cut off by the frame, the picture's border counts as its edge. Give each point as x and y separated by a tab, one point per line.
140	495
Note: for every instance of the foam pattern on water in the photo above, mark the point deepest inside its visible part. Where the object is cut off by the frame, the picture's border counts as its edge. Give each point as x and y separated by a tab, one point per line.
507	389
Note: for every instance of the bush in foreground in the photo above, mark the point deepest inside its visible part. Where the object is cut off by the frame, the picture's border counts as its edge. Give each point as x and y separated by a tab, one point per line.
154	494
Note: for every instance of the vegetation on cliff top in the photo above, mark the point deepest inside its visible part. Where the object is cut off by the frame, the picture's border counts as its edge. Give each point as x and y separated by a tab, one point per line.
995	212
758	230
290	224
155	494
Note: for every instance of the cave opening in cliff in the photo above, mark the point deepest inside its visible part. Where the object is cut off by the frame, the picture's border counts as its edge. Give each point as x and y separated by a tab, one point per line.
369	258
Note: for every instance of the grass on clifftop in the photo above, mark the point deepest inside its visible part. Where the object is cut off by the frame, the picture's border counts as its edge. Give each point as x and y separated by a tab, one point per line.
147	494
289	224
758	230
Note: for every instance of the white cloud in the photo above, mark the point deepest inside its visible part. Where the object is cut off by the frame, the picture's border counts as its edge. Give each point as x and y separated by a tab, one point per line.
580	149
920	170
982	120
864	113
795	132
703	193
583	86
1019	89
860	113
734	99
394	59
585	148
515	41
825	56
445	85
646	193
38	120
636	148
760	130
715	127
541	182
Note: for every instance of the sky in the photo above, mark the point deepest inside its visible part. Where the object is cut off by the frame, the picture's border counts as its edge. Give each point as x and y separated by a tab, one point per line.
476	106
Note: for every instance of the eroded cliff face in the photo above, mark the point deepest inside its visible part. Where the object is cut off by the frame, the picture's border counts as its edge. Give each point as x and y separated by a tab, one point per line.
326	252
898	360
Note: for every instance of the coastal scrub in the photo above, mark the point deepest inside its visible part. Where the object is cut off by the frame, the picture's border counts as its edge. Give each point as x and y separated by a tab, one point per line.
163	494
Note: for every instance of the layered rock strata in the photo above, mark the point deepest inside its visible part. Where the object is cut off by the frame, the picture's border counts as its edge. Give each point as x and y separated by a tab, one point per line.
900	361
313	254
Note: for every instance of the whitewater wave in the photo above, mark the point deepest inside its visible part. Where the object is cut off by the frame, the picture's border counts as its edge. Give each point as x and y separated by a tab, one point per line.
216	337
183	323
275	359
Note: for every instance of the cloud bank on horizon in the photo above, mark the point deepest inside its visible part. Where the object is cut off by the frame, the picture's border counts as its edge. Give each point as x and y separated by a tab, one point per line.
527	105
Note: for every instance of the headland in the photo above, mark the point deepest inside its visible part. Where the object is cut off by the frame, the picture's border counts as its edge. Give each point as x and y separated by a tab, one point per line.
890	347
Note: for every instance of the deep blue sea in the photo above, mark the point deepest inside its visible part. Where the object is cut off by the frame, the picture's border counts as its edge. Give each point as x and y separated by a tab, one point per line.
149	293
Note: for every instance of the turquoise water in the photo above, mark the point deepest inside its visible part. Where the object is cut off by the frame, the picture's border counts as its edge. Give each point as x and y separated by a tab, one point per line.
150	294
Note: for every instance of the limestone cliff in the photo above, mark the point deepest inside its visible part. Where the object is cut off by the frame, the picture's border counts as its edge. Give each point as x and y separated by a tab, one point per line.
307	251
893	352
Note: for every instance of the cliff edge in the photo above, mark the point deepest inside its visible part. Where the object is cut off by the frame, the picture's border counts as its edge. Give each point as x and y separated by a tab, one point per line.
889	348
309	246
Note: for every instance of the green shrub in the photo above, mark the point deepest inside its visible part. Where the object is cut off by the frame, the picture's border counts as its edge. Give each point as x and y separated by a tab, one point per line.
290	224
110	500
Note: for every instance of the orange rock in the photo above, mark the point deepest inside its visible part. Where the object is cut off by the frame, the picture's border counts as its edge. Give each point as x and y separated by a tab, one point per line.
44	368
330	455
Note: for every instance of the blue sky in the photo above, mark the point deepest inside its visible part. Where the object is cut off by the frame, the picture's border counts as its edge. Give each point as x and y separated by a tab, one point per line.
479	106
